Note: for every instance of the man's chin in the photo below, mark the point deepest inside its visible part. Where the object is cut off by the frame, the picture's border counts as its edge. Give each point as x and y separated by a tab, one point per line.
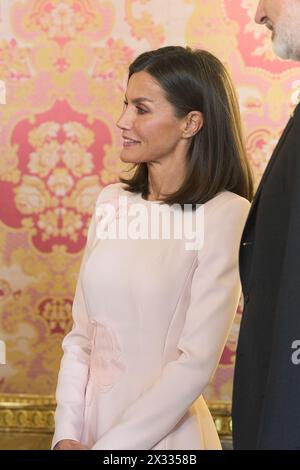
281	50
285	49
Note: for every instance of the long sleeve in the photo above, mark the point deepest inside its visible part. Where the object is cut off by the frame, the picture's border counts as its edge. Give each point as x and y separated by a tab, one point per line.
215	293
74	368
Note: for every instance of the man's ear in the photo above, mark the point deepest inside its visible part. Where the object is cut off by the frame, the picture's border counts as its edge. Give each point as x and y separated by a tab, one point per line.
193	123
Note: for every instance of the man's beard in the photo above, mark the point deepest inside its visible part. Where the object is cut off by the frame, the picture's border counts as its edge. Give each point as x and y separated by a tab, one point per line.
286	35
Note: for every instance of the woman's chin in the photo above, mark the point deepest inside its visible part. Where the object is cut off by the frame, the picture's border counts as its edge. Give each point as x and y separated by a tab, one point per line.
127	158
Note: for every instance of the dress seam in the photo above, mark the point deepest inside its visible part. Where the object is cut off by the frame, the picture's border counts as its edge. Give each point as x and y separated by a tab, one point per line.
195	261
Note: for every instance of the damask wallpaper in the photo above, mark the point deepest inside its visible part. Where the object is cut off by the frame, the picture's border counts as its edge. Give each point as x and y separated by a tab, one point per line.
64	64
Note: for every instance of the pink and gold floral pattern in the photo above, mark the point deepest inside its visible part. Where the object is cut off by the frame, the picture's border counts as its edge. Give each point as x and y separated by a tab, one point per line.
58	162
64	63
14	60
62	21
57	313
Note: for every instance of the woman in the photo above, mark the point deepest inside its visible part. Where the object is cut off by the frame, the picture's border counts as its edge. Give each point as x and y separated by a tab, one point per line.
151	317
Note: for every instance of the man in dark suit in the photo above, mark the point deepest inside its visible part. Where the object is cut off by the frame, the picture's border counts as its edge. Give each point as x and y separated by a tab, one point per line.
266	391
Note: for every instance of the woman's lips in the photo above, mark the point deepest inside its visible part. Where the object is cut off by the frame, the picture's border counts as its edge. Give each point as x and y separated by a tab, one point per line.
129	142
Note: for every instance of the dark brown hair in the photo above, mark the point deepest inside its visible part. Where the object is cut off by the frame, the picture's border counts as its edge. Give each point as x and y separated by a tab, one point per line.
195	80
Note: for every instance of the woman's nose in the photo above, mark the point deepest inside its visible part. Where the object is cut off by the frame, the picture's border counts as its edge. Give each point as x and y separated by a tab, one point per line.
125	120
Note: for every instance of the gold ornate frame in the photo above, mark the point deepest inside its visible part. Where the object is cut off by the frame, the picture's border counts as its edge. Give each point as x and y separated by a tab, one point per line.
27	421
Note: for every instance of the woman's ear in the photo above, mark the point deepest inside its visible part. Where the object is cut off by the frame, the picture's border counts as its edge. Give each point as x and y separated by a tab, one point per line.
193	123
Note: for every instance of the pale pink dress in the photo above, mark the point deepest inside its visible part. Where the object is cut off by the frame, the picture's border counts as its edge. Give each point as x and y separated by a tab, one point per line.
150	322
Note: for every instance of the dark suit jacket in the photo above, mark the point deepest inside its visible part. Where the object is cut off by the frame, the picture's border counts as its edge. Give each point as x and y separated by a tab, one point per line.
266	392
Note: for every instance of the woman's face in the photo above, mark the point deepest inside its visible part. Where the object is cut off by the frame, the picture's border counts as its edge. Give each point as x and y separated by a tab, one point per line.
150	129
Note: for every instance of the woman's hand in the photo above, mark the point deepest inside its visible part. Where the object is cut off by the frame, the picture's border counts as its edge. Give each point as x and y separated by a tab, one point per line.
70	444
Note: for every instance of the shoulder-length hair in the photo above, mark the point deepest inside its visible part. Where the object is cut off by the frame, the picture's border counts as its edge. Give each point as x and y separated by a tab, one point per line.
195	80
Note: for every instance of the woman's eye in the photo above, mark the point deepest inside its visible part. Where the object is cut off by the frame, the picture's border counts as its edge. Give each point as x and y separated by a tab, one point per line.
140	110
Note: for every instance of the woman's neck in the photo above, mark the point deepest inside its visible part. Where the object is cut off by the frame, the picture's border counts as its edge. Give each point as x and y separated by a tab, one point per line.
163	180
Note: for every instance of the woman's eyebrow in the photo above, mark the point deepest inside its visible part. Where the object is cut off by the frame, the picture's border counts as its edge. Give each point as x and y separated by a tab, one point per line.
139	99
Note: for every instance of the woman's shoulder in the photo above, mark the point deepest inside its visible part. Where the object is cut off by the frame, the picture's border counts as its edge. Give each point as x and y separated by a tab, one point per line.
110	192
227	201
227	197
